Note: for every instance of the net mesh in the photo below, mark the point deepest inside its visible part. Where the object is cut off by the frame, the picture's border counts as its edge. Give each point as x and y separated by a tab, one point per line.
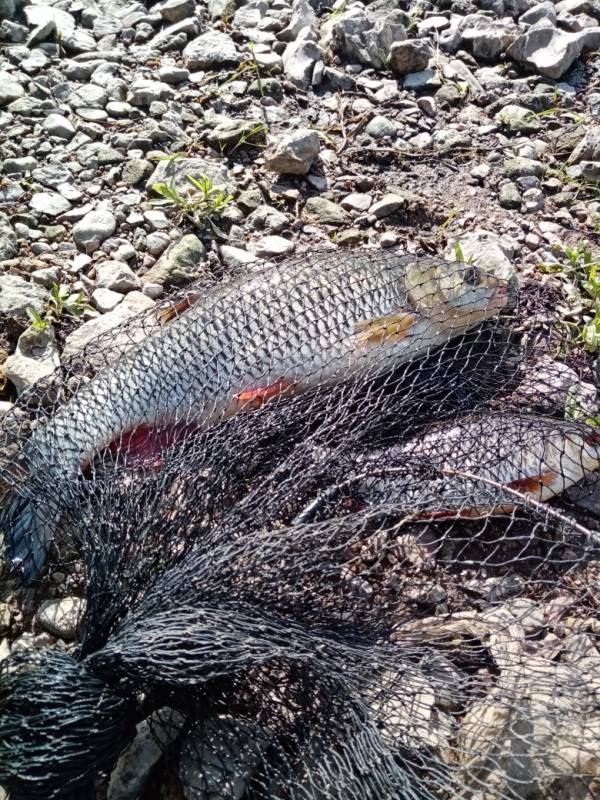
370	581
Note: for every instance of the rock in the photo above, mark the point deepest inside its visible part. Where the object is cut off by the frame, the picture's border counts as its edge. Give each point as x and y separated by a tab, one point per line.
267	218
93	229
273	246
520	166
299	59
89	96
295	153
59	126
42	14
104	300
211	49
551	51
116	275
555	386
363	36
448	95
422	80
379	127
98	154
409	56
181	263
61	618
509	196
19	165
545	12
133	304
322	211
8	239
35	358
303	17
233	133
135	764
10	91
517	119
221	756
588	149
488	250
17	294
176	10
174	172
357	202
486	37
145	92
236	256
389	204
5	618
136	170
51	204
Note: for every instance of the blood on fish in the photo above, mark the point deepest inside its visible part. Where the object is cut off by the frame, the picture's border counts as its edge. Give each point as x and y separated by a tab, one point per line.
144	445
255	398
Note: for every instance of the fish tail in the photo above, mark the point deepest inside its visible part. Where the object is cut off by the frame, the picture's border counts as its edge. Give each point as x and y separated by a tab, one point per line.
28	534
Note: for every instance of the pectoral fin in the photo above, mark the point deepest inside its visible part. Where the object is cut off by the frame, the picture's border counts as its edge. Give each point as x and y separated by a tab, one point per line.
255	398
533	485
393	328
165	315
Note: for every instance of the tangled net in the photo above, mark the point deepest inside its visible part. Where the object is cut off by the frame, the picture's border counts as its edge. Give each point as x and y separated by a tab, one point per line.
377	588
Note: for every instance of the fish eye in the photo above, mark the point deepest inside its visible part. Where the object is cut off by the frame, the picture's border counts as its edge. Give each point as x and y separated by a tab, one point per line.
472	274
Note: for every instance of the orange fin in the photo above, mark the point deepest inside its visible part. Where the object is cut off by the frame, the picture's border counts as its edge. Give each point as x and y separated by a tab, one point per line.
165	315
392	328
534	484
255	398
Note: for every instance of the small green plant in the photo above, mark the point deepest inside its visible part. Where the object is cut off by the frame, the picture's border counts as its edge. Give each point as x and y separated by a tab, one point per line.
338	9
579	279
575	412
200	203
441	231
460	256
60	303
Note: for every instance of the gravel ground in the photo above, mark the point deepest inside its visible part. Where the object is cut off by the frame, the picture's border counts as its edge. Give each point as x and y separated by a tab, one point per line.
144	146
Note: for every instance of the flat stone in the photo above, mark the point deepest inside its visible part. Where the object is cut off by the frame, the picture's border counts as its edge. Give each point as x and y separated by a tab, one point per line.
145	92
211	49
295	153
35	357
17	294
89	96
19	165
520	166
176	10
51	204
61	618
273	246
379	127
105	300
180	264
357	202
299	60
409	56
8	239
59	126
116	275
174	172
236	256
388	204
10	91
551	51
323	211
95	227
487	249
517	119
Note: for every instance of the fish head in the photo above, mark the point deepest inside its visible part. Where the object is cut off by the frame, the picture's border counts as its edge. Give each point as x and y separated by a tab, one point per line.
458	292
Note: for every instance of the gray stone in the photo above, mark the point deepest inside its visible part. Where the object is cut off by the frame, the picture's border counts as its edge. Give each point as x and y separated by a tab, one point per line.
180	264
136	170
133	304
8	239
273	246
486	37
19	165
487	249
388	204
519	167
93	229
17	294
176	10
175	173
105	300
236	256
588	148
550	51
35	358
409	56
116	275
59	126
517	119
211	49
303	16
52	175
541	11
145	92
422	80
448	95
10	91
107	26
51	204
233	133
299	59
295	153
118	109
90	96
325	212
357	202
42	14
509	196
267	218
172	74
379	127
363	36
61	618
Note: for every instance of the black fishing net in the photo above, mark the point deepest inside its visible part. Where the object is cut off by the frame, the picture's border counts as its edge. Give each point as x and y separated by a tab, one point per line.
376	585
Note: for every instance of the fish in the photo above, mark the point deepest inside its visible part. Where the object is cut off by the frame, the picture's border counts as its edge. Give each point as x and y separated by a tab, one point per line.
478	466
264	337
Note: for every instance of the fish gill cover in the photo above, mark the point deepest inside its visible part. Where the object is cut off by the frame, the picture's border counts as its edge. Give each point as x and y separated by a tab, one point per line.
326	544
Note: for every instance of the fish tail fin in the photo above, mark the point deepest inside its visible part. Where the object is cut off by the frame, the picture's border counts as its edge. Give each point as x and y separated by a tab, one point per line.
28	534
